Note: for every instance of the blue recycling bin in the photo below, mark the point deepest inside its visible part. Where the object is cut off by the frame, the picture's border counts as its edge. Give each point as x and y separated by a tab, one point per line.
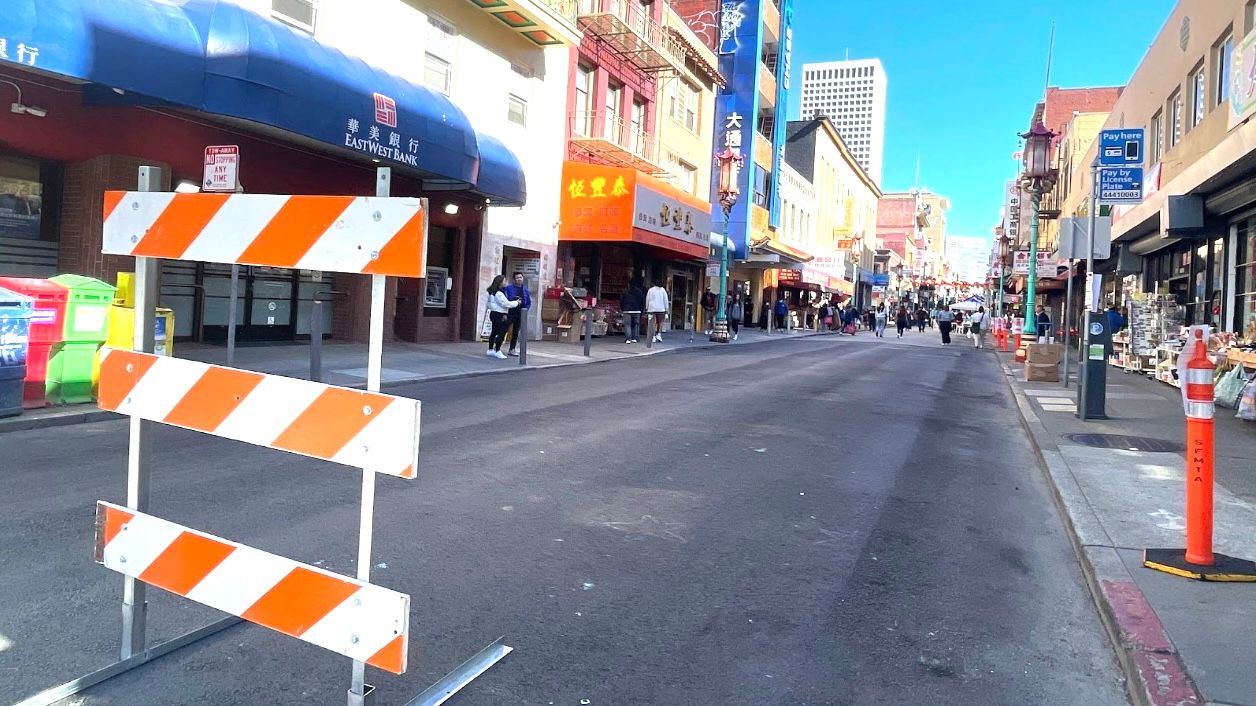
15	330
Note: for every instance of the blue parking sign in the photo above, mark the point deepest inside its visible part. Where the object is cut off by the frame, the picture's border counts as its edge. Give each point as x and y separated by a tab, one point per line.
1121	185
1122	147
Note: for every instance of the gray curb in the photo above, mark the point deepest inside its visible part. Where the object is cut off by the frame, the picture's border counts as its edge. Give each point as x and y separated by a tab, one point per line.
88	416
1094	548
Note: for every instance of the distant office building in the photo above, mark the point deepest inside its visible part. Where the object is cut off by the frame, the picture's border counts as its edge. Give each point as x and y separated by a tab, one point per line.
852	95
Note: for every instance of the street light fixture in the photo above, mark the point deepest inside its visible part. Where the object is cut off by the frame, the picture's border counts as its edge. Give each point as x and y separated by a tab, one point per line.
729	163
1037	178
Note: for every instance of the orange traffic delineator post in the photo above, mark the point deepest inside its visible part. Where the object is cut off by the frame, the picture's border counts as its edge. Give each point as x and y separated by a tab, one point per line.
1198	561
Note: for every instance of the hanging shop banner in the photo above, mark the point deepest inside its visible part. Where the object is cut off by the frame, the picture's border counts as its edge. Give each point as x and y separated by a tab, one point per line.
601	203
1243	81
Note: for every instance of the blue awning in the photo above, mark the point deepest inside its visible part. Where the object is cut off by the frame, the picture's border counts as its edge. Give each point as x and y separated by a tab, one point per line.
501	174
216	57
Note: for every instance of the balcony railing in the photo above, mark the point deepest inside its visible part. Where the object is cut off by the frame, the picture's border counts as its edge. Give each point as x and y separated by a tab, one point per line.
626	26
616	141
767	85
545	22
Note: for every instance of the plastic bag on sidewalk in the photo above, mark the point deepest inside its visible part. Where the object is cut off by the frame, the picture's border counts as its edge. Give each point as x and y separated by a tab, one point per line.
1229	388
1247	403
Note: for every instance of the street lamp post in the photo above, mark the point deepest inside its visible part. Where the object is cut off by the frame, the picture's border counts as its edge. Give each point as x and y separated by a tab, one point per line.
729	163
1038	178
1003	246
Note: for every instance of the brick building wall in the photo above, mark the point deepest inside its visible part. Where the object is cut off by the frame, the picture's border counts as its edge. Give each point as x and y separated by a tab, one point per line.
702	16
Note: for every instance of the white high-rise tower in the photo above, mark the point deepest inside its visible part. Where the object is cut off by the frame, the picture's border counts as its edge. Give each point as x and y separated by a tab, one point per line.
852	95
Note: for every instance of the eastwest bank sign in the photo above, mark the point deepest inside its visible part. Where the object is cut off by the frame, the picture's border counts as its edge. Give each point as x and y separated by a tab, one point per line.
737	108
379	137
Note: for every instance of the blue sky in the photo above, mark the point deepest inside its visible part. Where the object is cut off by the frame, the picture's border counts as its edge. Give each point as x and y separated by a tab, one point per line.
964	77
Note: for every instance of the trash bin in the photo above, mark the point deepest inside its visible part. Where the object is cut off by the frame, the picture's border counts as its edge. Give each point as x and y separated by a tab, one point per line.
85	326
15	321
46	324
121	333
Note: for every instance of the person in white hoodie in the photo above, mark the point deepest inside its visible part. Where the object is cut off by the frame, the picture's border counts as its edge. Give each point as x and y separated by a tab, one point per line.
978	322
499	306
656	306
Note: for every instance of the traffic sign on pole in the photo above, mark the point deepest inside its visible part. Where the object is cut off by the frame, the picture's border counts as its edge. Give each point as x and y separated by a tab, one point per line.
1121	185
222	168
1122	147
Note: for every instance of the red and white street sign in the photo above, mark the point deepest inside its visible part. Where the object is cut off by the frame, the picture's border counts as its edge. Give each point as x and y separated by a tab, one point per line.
222	168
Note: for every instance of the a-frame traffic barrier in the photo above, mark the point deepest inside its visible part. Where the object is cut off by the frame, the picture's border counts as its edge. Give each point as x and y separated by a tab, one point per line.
378	433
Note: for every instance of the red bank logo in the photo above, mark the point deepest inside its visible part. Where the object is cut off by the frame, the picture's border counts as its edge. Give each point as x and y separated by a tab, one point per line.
385	110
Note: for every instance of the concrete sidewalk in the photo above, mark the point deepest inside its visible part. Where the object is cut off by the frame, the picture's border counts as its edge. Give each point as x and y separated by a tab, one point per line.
1180	641
345	363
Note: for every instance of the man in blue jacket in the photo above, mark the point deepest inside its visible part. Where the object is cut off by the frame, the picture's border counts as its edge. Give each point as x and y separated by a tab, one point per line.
515	291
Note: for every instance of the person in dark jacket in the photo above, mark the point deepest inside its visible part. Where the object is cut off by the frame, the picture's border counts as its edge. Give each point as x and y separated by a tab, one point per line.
902	320
515	291
1043	322
631	304
782	313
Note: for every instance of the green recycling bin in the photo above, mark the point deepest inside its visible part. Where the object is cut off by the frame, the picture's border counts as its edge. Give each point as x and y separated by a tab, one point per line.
69	378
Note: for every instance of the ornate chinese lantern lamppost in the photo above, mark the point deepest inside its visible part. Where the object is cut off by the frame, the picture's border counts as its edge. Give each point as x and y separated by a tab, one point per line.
729	163
1038	178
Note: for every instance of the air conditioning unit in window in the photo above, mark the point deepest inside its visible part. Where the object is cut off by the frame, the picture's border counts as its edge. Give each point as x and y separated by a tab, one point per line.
298	13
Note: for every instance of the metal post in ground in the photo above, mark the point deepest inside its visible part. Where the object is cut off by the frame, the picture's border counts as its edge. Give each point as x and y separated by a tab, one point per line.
586	317
649	330
233	297
316	340
523	330
360	693
134	603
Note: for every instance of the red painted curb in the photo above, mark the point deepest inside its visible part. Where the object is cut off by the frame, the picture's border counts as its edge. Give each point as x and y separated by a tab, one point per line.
1163	677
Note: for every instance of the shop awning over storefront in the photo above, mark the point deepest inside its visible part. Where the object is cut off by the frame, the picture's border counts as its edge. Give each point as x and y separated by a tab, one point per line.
776	247
216	57
618	204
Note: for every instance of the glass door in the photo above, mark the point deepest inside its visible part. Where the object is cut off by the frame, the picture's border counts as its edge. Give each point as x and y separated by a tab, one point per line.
265	309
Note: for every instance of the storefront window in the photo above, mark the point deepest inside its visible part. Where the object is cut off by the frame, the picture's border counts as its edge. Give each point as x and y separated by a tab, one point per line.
1245	282
21	199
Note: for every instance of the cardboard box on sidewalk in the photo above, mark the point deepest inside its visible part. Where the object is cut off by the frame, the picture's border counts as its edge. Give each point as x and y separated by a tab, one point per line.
568	334
1043	353
1042	372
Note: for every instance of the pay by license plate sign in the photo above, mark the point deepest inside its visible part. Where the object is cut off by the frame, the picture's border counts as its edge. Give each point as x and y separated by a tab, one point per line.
1121	185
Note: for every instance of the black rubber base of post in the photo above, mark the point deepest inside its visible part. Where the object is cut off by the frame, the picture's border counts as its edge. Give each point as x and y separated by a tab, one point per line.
1224	568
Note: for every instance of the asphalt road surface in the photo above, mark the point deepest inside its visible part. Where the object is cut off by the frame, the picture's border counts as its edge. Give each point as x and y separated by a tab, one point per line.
812	521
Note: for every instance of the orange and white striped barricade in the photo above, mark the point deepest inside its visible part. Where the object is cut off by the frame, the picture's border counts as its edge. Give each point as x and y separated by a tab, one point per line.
1198	561
1018	328
379	236
354	618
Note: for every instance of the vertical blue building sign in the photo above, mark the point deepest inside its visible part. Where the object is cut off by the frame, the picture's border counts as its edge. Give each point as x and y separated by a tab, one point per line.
737	108
780	123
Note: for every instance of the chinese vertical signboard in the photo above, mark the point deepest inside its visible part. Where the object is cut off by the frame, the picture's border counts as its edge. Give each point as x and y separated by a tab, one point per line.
782	96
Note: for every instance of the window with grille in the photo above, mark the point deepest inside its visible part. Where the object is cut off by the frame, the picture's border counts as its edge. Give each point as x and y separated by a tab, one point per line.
298	13
437	73
517	110
1175	119
1199	101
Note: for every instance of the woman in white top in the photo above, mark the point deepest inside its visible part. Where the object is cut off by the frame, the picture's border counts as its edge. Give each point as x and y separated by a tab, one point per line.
978	322
656	307
498	307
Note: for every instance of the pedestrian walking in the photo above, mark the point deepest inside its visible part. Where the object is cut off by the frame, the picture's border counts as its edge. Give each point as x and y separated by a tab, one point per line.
515	291
921	317
782	313
902	320
945	320
656	305
709	302
880	316
978	324
734	313
631	304
1043	322
499	306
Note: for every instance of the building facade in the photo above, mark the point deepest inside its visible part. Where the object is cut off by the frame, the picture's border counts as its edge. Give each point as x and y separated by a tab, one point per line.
853	95
753	40
316	96
1193	236
634	193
